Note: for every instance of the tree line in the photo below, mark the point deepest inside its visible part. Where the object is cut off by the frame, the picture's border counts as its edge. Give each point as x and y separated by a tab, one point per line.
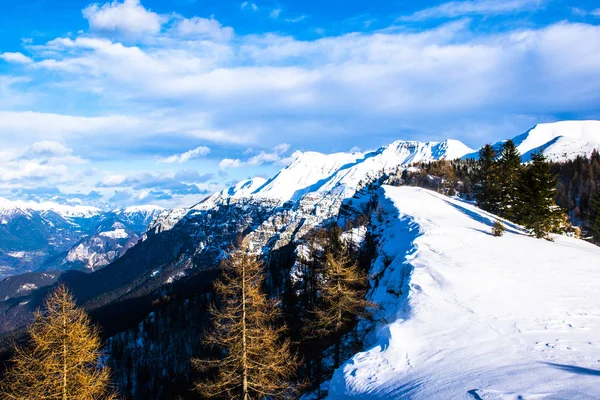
258	346
543	196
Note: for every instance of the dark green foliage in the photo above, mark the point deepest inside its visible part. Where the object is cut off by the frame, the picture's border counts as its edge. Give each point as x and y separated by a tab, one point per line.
509	169
537	189
595	215
579	179
487	189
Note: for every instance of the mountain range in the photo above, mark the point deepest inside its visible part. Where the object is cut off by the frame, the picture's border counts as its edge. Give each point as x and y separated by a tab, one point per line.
43	236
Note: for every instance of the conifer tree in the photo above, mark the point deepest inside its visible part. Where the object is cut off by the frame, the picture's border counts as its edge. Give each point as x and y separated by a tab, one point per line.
255	362
537	191
62	359
595	215
487	187
342	290
509	169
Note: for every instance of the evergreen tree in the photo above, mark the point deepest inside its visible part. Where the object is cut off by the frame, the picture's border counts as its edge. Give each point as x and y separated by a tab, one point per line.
342	290
537	191
595	215
487	187
509	169
62	359
255	362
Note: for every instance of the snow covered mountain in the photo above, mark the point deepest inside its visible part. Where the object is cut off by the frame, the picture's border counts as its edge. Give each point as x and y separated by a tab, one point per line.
473	316
7	207
48	235
338	174
559	141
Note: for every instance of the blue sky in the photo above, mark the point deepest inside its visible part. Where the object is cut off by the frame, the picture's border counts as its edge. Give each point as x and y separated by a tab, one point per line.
166	101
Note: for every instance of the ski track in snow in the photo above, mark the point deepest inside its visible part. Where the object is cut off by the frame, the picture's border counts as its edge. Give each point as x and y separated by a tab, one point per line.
478	317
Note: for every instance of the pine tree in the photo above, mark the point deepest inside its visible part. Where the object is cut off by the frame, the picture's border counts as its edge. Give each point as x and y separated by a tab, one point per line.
255	362
509	169
342	290
537	191
595	215
62	359
487	187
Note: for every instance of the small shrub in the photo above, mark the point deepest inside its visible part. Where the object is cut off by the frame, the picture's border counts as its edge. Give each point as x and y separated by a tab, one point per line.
498	229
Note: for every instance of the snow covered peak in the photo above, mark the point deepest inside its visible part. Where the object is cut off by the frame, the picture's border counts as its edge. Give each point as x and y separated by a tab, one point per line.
241	189
305	173
413	151
318	173
559	141
313	172
72	211
245	187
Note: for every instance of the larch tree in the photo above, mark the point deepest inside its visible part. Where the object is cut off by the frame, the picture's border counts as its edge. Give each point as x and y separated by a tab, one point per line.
537	191
509	170
254	362
62	360
342	289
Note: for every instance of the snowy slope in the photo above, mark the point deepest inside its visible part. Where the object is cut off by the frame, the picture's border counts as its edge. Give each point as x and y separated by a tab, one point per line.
560	141
473	316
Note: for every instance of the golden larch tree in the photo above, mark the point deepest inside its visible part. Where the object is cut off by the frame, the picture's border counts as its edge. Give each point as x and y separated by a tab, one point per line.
62	358
342	290
255	362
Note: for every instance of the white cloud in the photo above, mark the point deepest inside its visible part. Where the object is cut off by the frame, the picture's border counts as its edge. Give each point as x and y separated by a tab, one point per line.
197	26
126	129
18	58
129	17
46	161
10	95
230	163
49	147
273	157
256	82
472	7
296	19
275	13
596	12
258	90
188	155
245	5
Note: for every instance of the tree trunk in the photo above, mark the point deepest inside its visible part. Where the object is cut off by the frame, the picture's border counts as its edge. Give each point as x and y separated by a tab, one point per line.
244	349
64	345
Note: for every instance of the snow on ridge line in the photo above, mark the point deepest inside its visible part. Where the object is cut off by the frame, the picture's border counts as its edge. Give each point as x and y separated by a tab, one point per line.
148	208
472	315
64	210
560	141
314	172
